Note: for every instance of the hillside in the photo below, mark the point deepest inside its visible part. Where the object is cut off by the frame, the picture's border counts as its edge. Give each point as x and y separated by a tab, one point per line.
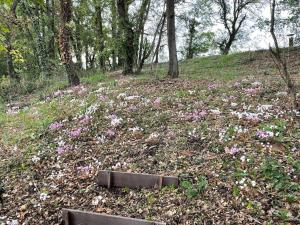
226	127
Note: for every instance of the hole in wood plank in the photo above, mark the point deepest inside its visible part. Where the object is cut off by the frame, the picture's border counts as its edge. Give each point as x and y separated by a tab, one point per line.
76	217
134	180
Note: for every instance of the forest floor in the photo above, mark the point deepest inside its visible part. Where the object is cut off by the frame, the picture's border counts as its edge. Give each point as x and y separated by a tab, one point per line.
227	123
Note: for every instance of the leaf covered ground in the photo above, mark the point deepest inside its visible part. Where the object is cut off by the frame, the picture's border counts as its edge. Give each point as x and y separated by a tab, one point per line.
234	144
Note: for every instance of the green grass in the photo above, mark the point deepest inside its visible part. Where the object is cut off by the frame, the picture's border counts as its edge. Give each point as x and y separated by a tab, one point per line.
97	77
223	68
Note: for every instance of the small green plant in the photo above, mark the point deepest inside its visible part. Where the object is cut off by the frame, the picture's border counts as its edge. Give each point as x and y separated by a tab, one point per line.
273	172
282	214
192	190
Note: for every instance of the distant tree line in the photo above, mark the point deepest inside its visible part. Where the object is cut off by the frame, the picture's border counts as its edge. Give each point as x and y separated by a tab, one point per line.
37	36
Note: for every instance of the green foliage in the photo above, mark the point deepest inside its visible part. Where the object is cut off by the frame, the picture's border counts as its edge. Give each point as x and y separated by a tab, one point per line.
282	214
193	190
274	172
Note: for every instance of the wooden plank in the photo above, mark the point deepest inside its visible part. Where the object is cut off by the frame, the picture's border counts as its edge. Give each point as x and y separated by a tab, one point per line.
76	217
134	180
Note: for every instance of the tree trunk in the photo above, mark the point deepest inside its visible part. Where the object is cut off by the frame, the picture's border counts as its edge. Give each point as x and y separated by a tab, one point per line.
192	31
139	31
51	24
100	35
128	44
173	62
146	52
77	42
9	58
64	41
114	33
156	52
86	49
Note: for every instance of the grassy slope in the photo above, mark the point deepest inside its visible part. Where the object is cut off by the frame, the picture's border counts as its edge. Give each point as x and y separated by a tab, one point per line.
26	134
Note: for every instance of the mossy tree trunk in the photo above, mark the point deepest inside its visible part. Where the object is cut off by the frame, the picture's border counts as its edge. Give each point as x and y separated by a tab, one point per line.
64	41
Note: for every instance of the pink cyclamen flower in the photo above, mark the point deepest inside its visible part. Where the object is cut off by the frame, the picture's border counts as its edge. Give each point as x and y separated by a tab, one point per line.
252	91
196	116
110	133
157	102
264	134
212	86
83	169
233	150
75	133
55	126
85	120
103	98
63	149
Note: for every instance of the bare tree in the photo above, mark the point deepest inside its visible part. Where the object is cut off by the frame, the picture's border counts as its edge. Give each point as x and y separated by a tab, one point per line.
280	61
64	41
232	15
147	49
173	62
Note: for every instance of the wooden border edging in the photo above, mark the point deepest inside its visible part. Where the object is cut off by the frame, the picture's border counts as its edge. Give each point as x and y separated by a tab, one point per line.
134	180
76	217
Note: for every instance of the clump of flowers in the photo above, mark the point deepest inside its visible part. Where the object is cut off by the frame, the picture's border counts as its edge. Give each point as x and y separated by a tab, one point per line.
44	196
233	150
212	86
84	171
55	126
75	133
13	222
252	91
62	149
157	102
85	120
115	121
196	115
119	165
110	133
264	134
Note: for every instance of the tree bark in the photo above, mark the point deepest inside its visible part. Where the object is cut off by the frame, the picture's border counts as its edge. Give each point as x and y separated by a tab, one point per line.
156	52
173	62
128	44
50	14
9	58
77	43
64	41
145	53
192	32
8	42
139	31
100	35
114	33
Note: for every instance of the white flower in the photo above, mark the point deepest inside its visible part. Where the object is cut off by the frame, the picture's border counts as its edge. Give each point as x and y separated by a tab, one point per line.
242	181
135	129
116	121
13	222
243	158
44	196
35	159
215	111
253	183
96	200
